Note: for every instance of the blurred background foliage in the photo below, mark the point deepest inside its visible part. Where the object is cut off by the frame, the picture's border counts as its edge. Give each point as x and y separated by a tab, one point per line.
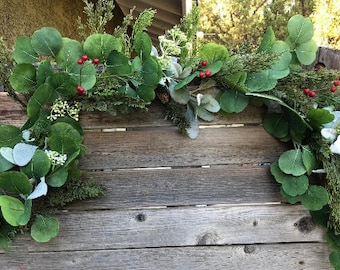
235	22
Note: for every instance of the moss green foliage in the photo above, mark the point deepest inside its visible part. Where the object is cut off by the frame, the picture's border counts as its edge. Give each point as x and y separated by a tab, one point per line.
98	15
109	95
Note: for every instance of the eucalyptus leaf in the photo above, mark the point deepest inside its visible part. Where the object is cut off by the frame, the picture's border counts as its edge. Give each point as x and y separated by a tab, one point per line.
23	51
151	72
290	199
315	198
232	101
5	164
65	129
181	96
16	182
300	29
44	71
210	103
39	165
295	185
100	45
278	174
44	228
11	209
309	159
10	135
118	64
290	162
306	52
276	124
69	54
318	117
58	178
23	78
142	44
63	144
23	153
26	216
46	41
85	75
205	114
64	84
146	92
191	117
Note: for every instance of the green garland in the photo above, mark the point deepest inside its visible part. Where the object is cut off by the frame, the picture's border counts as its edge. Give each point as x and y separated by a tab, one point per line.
55	77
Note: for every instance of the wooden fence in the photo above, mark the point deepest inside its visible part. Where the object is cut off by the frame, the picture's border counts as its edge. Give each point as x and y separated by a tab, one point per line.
175	203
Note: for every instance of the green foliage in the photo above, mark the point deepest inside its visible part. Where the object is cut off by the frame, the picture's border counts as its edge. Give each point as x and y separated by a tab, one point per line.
98	15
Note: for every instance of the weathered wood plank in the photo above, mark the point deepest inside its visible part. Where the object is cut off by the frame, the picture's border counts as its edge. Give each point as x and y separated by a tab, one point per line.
183	186
178	226
12	113
237	257
165	147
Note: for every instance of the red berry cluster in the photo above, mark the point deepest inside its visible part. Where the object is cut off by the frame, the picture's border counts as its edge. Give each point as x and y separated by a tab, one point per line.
81	90
206	73
84	58
333	88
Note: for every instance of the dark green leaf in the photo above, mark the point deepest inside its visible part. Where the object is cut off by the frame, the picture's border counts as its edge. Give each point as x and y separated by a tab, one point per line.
44	228
46	41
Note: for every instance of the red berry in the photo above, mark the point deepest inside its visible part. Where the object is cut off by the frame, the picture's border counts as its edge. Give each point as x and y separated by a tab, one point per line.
336	83
306	91
81	90
333	89
204	63
95	61
201	75
312	94
80	61
208	73
85	57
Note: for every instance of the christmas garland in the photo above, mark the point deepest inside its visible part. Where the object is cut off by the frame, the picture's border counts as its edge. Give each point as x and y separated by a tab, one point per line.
55	78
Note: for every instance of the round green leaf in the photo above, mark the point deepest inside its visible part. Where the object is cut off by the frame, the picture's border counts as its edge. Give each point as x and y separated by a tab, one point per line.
232	101
306	52
11	209
46	41
26	216
315	198
63	144
294	185
142	44
63	84
44	71
23	78
212	52
23	153
309	159
10	135
84	75
40	164
100	45
23	51
146	92
267	40
290	199
300	29
181	96
14	181
42	95
118	64
5	164
57	178
210	103
65	129
44	228
205	114
276	125
151	72
290	162
276	172
69	54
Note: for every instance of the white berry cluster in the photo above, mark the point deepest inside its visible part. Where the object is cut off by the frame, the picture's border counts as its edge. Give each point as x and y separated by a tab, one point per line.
56	158
61	108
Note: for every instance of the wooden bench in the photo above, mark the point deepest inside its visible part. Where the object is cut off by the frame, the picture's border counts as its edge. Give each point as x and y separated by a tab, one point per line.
175	203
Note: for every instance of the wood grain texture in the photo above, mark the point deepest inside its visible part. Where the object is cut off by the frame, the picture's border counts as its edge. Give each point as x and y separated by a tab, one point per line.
292	256
175	203
183	186
178	226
